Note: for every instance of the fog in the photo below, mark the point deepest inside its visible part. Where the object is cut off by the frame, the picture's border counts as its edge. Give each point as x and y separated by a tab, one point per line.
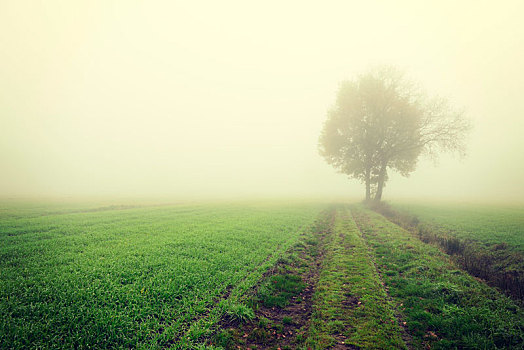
227	98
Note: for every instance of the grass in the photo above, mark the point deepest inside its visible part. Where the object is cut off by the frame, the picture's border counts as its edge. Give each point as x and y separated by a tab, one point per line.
278	289
239	312
443	306
136	278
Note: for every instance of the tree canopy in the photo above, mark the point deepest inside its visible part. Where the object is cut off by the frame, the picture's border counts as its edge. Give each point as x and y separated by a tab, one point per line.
382	121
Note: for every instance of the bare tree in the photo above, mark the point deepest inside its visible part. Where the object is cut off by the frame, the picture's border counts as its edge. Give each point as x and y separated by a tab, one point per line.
381	122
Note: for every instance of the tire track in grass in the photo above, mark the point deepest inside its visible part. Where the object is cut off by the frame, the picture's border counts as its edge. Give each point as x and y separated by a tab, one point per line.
281	304
443	306
202	325
351	308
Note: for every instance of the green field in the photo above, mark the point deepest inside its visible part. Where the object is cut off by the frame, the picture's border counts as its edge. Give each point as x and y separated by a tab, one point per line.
130	277
245	274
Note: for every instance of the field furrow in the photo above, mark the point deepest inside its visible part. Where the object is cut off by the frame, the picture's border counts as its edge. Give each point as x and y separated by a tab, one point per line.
443	306
485	241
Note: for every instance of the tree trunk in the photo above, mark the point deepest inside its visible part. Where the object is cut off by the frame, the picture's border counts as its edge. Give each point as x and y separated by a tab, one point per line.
380	183
368	185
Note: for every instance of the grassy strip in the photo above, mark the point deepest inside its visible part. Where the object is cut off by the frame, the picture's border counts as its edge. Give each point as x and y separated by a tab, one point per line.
500	264
351	305
443	307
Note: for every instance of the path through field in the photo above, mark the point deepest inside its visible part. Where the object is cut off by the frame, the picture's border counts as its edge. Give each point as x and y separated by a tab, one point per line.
369	284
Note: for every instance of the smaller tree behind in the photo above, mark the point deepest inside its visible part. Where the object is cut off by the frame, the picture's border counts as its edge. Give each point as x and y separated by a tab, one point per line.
382	122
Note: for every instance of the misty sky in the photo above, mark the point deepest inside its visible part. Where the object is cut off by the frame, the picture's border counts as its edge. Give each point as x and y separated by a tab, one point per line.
227	98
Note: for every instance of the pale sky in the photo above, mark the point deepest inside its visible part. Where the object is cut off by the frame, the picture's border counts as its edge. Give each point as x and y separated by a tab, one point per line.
227	98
